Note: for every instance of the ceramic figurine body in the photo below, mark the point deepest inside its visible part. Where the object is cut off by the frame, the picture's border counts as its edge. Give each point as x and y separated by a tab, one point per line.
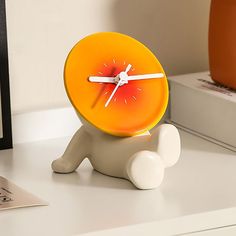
118	103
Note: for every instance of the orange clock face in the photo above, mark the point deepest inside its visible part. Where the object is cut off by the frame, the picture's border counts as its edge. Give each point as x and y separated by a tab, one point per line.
106	78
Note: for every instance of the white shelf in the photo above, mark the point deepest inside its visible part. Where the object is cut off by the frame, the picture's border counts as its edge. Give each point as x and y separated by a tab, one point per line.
203	182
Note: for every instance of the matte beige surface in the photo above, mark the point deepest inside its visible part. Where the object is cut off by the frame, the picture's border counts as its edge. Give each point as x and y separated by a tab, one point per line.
41	33
142	159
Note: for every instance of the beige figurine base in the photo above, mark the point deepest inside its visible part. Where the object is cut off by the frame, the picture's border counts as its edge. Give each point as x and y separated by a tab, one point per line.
140	159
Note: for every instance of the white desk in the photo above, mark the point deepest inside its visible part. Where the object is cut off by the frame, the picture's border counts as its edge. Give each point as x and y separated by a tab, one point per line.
190	198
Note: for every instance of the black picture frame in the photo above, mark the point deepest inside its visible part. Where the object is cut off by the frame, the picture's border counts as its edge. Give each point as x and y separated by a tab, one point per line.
5	118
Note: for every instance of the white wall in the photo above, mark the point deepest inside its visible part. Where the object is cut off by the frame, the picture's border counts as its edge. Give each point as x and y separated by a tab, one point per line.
41	33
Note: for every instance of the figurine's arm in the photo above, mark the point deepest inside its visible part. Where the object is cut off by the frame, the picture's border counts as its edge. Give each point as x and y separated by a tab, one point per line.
76	151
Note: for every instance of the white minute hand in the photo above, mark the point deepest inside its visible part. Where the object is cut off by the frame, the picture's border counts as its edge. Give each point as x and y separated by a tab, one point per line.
146	76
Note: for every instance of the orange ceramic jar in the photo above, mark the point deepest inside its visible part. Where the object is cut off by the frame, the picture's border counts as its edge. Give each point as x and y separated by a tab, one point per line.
222	42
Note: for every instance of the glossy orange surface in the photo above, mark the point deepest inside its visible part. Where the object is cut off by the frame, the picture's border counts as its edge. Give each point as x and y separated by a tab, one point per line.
137	106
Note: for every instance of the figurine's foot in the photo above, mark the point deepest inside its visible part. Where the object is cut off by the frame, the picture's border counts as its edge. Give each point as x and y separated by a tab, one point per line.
168	143
61	165
145	170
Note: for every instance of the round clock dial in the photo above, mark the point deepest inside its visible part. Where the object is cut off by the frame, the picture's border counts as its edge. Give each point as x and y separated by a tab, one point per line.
107	80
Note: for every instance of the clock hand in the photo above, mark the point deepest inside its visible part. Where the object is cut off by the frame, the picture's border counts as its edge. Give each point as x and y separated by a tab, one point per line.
106	79
128	68
115	89
122	76
145	76
102	79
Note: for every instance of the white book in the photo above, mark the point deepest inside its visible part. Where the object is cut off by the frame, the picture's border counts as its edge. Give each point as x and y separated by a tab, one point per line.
204	108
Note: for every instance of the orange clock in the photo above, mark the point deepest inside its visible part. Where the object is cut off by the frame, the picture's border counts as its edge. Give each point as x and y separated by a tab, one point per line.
116	84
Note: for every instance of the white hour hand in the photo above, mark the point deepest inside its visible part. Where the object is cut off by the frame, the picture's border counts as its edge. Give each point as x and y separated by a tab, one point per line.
146	76
100	79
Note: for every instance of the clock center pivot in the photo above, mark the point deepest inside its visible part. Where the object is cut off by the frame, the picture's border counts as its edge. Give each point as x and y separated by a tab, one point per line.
121	78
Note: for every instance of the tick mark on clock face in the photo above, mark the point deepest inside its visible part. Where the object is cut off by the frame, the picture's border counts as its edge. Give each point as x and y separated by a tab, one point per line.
139	89
134	98
106	93
125	101
105	64
100	73
114	61
115	100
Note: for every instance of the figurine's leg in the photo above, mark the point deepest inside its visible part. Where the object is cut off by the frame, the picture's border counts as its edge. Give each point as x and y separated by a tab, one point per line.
74	154
145	170
166	140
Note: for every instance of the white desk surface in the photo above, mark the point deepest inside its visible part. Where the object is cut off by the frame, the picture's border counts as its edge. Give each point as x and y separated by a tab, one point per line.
191	198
